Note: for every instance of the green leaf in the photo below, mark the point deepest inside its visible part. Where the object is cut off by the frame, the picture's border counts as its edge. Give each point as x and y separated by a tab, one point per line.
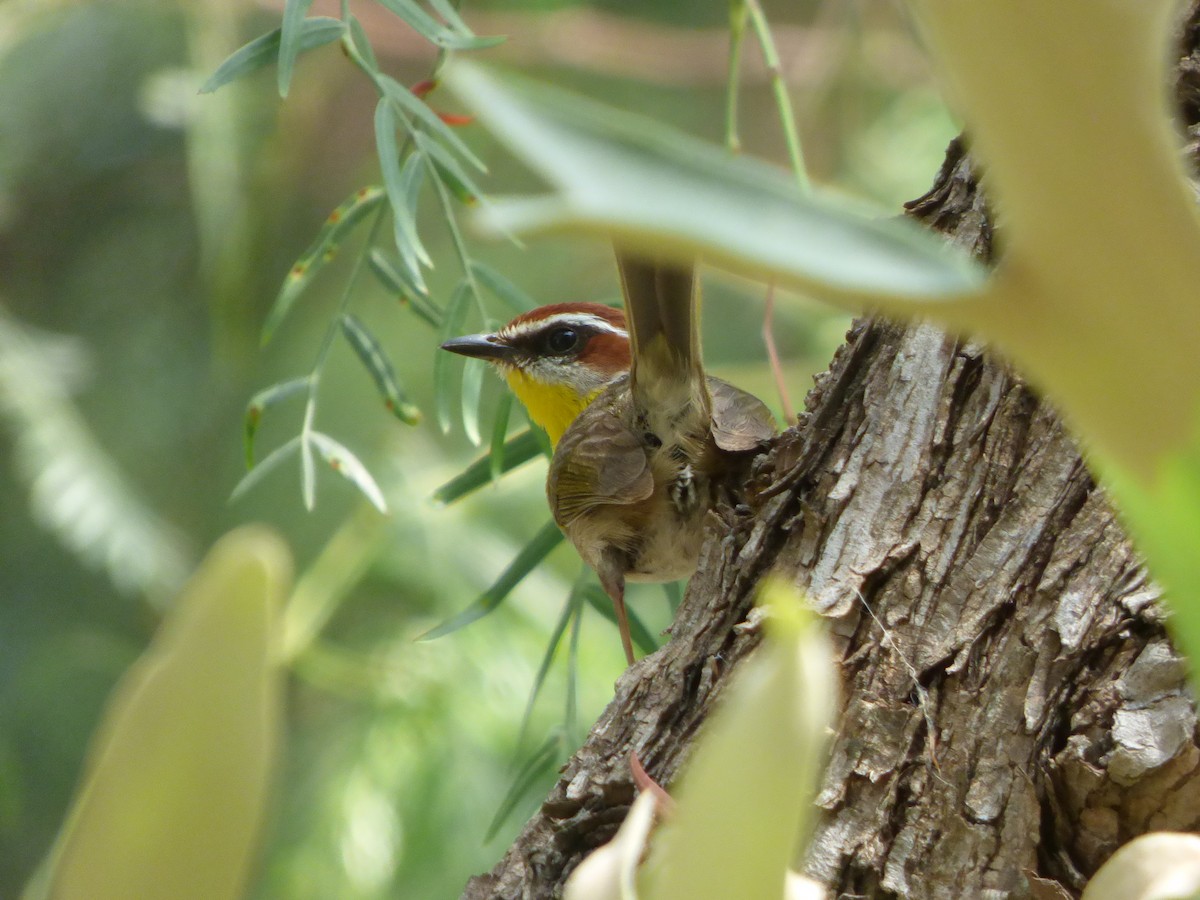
264	468
294	12
518	450
340	222
362	44
570	611
745	797
443	363
451	17
349	467
498	446
308	476
600	601
472	394
502	289
398	281
433	31
372	356
636	179
409	103
403	184
536	767
178	776
531	554
258	404
448	170
263	51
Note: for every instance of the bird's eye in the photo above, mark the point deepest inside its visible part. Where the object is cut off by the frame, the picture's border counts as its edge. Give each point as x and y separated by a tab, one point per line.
562	340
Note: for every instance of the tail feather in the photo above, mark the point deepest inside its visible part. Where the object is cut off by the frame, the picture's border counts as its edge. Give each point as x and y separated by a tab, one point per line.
664	328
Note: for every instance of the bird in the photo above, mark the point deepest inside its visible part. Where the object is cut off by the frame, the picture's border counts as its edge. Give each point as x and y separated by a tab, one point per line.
641	435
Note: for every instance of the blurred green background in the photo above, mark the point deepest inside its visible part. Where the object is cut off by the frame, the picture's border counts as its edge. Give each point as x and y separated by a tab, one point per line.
144	231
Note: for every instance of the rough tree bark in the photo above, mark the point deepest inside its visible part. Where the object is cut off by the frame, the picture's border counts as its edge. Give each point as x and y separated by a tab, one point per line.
1013	708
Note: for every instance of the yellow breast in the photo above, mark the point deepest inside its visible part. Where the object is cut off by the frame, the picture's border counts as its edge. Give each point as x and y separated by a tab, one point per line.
553	407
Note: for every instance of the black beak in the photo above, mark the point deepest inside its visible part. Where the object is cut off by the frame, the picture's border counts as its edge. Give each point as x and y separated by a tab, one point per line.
479	346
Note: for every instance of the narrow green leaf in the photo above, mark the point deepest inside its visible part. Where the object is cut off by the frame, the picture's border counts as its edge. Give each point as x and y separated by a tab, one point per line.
362	43
395	279
308	474
451	17
403	186
177	782
340	222
294	12
531	554
370	352
674	592
408	102
433	31
502	289
535	768
263	51
602	603
517	450
408	241
258	405
472	394
349	467
443	363
264	468
448	170
570	608
635	179
498	445
571	713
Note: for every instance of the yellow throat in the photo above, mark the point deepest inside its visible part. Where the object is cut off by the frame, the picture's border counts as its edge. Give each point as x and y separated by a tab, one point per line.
552	407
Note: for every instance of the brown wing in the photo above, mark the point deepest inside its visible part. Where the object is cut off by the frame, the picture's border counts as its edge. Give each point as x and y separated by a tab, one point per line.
598	461
740	421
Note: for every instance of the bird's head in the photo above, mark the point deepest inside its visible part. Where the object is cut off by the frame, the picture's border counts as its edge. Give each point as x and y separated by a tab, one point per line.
555	358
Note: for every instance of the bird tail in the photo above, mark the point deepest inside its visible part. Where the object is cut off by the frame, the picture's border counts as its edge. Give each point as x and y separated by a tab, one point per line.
664	329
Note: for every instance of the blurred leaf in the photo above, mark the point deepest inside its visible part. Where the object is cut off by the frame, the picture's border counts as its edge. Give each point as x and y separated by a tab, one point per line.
294	12
450	16
674	592
362	43
340	222
443	362
496	451
472	394
408	102
76	490
263	51
526	561
433	31
372	356
536	767
178	776
634	178
517	450
400	283
258	405
349	467
570	610
600	601
502	288
264	468
744	799
1157	866
308	473
571	713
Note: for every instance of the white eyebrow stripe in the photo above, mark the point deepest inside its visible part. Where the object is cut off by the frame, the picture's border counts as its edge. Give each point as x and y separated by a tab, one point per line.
577	320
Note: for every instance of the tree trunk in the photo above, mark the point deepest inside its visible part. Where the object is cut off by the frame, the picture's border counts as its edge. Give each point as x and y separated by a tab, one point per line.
1013	710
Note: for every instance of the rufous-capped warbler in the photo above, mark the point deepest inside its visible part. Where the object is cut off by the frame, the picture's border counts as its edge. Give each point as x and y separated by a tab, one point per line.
641	435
